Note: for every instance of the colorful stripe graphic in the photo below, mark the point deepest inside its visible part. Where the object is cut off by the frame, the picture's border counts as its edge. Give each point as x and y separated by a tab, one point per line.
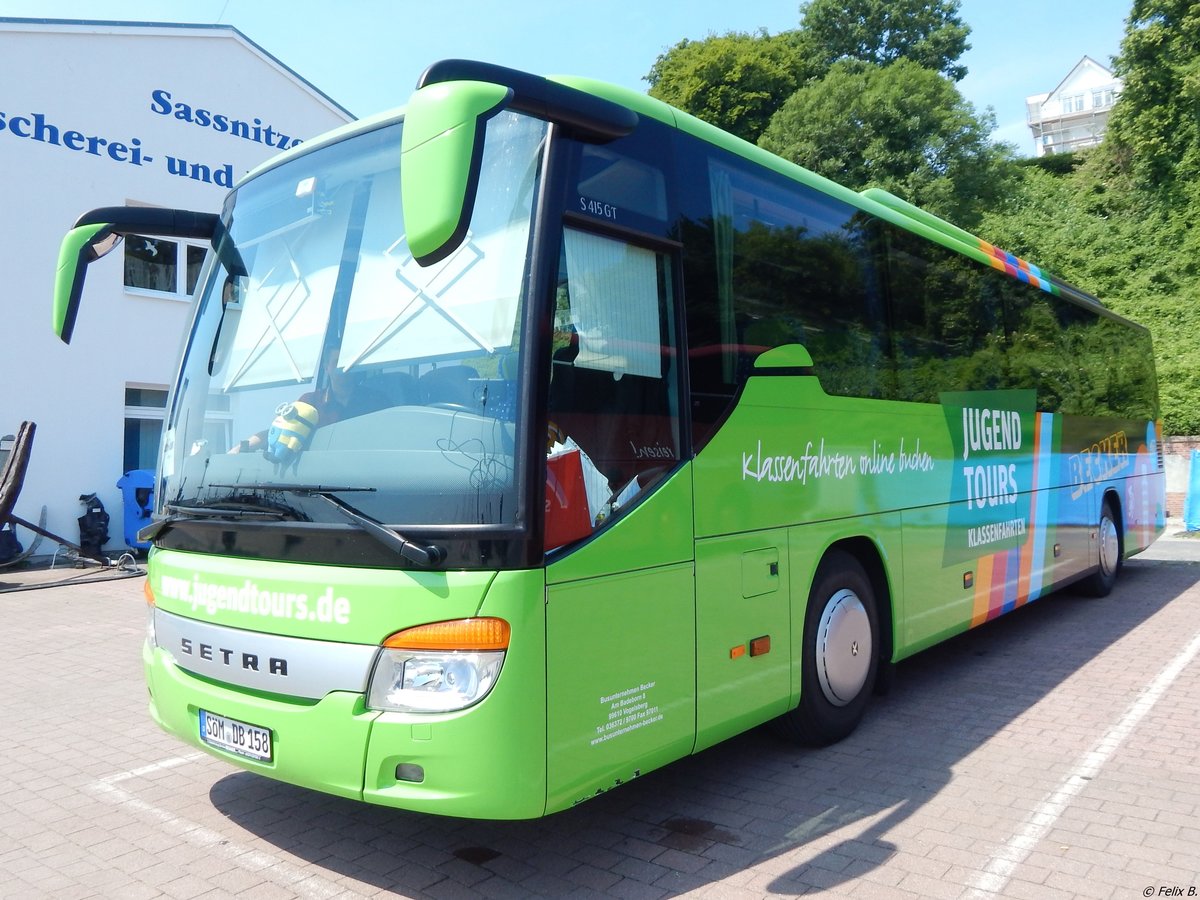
983	589
1043	461
1016	267
1035	520
1011	578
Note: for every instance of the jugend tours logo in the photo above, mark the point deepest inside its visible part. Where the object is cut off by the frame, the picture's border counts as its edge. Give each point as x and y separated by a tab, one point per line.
986	430
992	461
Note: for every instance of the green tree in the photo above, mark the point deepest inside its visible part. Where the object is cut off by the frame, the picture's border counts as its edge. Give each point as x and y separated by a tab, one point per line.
1121	224
1150	164
904	128
1155	128
1097	231
734	81
927	32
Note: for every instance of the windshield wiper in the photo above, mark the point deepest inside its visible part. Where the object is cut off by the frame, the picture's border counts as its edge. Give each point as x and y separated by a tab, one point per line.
234	509
422	554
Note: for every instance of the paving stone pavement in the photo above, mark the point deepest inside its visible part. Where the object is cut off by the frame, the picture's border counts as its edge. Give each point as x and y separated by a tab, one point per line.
1054	753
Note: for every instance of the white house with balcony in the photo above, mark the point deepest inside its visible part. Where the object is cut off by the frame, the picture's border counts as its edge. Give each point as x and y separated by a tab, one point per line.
1075	114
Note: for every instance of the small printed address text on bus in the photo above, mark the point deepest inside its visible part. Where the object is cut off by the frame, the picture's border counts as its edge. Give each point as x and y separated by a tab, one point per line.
627	711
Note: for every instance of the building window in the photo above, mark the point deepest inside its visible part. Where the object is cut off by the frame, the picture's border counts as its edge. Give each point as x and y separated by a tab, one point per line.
1103	98
154	264
218	422
1072	104
144	411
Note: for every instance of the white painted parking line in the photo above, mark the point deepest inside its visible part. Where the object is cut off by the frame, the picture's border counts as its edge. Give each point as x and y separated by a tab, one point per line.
994	878
170	763
304	882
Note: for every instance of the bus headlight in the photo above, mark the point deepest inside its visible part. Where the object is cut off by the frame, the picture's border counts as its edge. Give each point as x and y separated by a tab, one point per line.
432	682
440	667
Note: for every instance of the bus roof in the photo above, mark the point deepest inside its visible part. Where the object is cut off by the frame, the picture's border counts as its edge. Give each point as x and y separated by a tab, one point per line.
875	201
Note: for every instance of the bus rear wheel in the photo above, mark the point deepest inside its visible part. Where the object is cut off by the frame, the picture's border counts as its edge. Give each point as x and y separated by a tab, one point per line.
840	654
1112	550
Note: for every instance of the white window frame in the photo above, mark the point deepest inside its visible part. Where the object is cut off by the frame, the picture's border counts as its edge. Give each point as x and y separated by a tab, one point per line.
144	413
181	291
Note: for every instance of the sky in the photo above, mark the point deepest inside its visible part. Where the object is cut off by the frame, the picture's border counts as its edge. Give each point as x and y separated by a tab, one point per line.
367	54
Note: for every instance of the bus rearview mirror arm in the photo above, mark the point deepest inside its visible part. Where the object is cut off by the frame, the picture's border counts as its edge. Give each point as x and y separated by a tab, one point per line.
442	141
98	232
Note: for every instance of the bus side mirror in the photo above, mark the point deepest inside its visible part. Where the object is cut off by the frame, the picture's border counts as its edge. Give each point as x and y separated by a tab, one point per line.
98	232
441	154
80	247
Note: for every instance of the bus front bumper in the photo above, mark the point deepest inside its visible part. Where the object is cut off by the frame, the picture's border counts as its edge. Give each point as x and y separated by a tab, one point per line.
449	764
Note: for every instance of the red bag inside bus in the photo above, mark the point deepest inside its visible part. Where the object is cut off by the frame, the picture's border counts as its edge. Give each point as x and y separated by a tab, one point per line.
567	516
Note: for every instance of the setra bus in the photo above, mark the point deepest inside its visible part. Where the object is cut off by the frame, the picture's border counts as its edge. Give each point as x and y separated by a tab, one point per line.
539	434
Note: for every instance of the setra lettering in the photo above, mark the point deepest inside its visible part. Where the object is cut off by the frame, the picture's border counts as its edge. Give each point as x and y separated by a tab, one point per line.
248	661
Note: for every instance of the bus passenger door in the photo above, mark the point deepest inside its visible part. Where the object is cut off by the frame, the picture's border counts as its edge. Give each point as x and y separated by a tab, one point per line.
743	627
620	592
620	650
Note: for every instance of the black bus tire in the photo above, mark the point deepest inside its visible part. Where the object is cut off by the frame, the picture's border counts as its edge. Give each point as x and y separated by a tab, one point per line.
839	658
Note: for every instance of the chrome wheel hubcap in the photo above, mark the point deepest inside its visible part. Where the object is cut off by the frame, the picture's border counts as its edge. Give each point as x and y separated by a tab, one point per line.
843	648
1110	546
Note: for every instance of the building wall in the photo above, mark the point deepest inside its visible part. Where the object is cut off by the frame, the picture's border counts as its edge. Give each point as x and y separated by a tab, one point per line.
64	85
1177	458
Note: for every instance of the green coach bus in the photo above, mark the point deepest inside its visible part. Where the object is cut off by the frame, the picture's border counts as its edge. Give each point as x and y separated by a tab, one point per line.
539	434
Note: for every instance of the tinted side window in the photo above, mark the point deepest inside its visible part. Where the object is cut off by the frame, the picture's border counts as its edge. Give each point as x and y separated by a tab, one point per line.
625	184
958	325
947	327
883	312
772	262
1081	361
1131	387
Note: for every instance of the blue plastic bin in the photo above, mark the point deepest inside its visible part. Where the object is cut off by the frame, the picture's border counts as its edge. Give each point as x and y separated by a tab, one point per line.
137	488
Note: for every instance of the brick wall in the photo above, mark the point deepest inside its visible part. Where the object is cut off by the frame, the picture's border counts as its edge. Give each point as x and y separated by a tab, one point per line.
1177	455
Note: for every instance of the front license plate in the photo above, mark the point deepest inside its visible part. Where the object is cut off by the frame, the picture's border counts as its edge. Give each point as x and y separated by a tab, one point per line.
234	736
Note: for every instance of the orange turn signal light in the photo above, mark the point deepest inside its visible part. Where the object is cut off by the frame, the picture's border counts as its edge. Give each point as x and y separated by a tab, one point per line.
148	591
760	646
483	633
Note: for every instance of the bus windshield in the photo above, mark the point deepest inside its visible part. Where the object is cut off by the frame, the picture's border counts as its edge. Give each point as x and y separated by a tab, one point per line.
321	354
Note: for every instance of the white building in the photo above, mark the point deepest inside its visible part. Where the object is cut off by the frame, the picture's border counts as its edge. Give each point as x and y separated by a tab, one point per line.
108	114
1075	114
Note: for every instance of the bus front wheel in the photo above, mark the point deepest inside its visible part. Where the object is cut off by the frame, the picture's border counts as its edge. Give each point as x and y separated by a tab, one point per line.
840	654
